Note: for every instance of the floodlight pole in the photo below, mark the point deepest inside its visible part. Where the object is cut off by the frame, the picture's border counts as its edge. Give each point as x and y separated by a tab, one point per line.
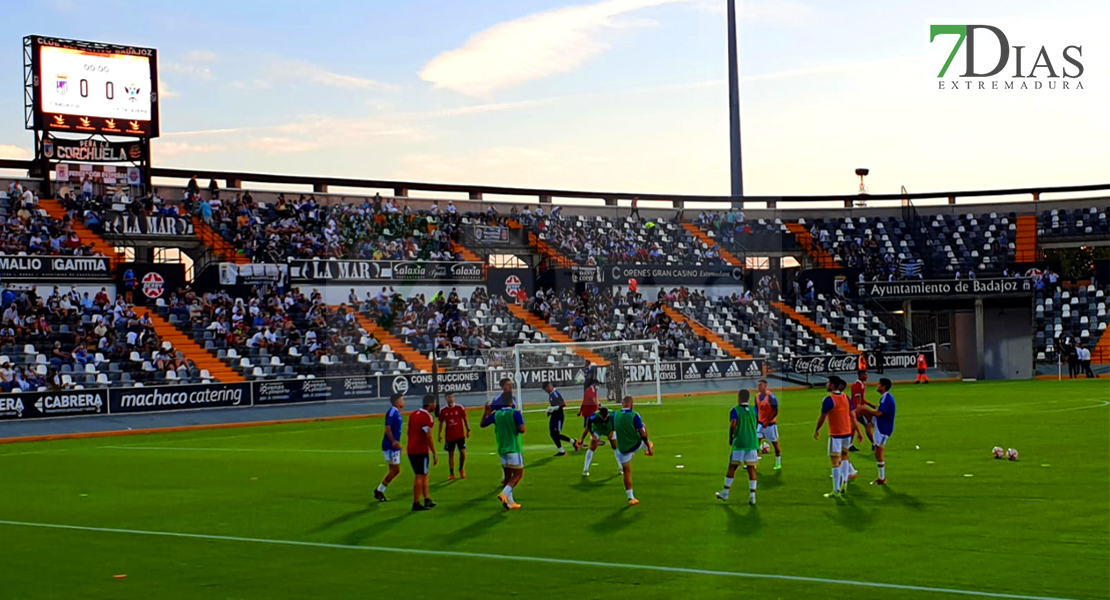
734	111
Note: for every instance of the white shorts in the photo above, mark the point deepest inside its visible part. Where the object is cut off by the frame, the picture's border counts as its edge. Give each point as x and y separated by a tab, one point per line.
392	457
880	439
512	460
768	432
627	458
745	457
837	446
597	438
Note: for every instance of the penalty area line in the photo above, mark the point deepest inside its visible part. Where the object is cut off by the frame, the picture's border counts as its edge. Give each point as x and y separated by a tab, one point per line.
533	559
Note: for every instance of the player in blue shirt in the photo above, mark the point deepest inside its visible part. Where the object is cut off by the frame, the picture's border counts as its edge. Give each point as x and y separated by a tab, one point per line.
882	418
555	416
506	399
391	443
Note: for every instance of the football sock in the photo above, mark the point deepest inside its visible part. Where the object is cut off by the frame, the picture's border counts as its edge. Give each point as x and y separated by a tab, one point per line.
751	492
629	493
381	488
778	460
836	479
882	470
589	459
620	467
507	492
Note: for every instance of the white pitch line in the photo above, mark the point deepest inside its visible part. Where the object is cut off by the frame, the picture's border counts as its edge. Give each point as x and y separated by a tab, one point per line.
35	452
538	559
184	449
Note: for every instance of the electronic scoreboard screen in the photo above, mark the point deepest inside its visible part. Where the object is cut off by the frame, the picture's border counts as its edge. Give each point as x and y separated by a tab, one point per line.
89	87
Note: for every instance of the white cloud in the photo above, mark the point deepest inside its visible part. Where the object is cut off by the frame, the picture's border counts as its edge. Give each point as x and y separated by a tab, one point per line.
533	47
783	13
512	165
164	91
189	69
13	151
201	56
304	72
282	145
168	148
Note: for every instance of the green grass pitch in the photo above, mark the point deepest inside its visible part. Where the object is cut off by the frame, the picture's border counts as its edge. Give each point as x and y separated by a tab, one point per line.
952	518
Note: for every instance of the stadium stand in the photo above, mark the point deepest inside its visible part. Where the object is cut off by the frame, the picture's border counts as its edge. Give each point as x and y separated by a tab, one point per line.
70	341
1074	224
590	240
1078	314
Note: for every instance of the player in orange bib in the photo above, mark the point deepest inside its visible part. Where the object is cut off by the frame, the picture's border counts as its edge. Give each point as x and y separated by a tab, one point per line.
922	369
837	410
768	406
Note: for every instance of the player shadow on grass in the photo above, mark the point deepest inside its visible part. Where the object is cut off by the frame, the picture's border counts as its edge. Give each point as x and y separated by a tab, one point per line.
910	502
770	481
747	523
617	520
361	534
589	484
476	529
851	515
341	519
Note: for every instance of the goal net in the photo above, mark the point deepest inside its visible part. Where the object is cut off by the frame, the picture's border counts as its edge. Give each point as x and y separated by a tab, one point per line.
619	369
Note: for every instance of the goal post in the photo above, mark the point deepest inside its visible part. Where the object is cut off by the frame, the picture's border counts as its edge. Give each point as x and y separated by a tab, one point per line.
620	368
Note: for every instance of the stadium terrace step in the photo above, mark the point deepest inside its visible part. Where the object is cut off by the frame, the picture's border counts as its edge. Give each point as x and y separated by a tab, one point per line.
465	252
546	250
817	329
88	236
814	249
706	332
211	238
193	351
1025	244
704	238
396	345
553	334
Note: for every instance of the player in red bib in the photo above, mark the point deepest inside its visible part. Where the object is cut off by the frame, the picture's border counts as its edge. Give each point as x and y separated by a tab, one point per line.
922	369
589	406
453	418
419	446
859	391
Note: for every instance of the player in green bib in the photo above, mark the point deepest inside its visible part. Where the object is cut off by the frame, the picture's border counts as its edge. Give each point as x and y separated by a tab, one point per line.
743	423
600	426
632	437
508	425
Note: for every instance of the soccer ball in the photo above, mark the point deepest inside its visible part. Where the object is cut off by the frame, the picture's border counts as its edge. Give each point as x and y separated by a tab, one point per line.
764	448
1012	454
998	452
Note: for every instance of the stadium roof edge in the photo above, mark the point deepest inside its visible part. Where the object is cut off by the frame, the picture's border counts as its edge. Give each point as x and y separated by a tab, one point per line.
476	191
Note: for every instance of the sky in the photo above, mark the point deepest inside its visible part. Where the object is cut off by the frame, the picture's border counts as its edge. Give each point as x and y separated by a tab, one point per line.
608	95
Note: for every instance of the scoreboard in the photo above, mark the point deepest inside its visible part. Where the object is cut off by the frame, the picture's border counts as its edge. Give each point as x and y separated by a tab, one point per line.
89	87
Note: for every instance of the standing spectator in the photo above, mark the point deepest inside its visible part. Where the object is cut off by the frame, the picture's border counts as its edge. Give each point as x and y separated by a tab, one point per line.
213	189
1084	357
87	189
635	212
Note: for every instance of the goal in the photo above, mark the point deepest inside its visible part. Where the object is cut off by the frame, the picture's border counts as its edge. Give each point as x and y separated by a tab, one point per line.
620	368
